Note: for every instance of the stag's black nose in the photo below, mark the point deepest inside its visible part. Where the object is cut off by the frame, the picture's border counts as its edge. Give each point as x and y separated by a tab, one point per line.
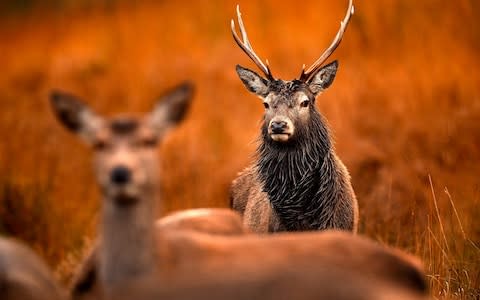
278	127
120	175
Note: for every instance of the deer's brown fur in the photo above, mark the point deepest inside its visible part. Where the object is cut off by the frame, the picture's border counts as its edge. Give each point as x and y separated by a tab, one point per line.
24	276
323	265
252	202
84	284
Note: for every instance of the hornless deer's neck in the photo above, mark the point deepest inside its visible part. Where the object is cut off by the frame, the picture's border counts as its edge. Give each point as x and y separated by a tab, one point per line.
128	239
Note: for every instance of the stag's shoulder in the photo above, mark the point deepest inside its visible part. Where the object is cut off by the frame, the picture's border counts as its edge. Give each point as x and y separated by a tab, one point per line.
242	186
246	178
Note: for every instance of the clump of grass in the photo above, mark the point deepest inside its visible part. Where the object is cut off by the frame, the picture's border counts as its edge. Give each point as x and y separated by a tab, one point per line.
25	212
30	212
452	257
69	264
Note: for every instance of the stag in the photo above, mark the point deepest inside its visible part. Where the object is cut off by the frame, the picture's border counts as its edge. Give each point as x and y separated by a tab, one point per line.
297	181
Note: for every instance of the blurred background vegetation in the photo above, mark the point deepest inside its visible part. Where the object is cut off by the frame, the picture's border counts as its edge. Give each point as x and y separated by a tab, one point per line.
404	110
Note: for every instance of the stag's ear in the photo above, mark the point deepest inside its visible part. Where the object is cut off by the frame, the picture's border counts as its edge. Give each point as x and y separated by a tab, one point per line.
171	108
323	78
75	115
252	81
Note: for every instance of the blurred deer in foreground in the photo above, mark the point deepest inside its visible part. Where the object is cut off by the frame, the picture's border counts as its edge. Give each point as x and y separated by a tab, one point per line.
140	259
126	169
297	181
85	285
23	276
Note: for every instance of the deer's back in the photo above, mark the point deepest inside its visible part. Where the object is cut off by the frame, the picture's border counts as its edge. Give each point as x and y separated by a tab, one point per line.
331	284
327	265
220	221
23	276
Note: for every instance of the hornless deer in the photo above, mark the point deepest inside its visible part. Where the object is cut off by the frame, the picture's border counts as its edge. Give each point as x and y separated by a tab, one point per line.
85	285
297	181
138	259
130	171
24	276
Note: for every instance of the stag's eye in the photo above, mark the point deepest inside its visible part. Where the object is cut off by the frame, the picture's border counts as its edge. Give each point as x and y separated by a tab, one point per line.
265	104
305	103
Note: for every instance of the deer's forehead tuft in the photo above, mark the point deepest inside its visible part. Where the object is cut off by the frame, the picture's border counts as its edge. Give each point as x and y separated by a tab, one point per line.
124	125
288	91
287	88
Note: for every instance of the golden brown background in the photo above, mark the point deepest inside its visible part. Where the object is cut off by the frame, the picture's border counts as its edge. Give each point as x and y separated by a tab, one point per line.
404	108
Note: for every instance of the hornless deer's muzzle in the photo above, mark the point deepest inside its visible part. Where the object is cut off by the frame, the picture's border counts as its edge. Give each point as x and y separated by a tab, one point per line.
120	175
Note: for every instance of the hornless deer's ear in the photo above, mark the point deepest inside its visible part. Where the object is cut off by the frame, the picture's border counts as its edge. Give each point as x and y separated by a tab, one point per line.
75	115
171	108
324	78
252	81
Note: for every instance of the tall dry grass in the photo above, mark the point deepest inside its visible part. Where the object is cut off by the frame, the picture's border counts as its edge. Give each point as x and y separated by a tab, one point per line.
404	109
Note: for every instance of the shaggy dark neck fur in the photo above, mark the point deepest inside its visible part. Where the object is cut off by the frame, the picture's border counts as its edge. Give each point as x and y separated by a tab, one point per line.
298	176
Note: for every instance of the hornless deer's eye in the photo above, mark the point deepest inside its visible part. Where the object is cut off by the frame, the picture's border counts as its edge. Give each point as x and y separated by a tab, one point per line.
148	142
305	103
100	145
266	105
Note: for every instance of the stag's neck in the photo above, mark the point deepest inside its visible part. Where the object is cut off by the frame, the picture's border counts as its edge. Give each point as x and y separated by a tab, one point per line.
309	148
128	240
293	175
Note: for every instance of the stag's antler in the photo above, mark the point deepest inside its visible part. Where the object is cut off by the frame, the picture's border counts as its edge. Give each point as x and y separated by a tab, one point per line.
247	47
310	72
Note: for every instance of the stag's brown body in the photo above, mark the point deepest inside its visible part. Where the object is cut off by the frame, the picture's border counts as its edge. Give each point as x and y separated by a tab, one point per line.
249	198
297	181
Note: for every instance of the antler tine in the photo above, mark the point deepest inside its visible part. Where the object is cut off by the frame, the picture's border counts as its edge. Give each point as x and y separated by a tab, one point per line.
306	75
246	46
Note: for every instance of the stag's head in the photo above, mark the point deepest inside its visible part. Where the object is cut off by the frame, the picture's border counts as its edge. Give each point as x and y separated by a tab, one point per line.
125	156
288	104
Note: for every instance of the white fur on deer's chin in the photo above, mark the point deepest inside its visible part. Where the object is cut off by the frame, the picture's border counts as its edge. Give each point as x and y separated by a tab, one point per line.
280	137
124	195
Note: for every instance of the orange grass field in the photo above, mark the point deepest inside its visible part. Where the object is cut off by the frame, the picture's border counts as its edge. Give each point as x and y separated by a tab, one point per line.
404	109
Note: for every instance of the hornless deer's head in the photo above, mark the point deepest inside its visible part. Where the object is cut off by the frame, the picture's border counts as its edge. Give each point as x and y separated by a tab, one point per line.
288	103
125	146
